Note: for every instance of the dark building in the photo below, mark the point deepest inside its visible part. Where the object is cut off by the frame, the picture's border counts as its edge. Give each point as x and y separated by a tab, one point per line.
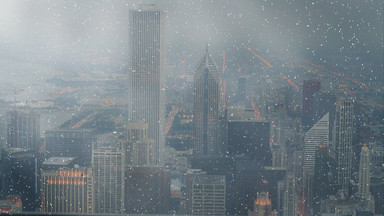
241	90
147	190
23	129
18	171
206	131
250	138
310	87
70	143
325	102
324	182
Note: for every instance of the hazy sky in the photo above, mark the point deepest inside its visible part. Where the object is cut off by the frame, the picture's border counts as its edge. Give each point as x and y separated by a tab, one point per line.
61	30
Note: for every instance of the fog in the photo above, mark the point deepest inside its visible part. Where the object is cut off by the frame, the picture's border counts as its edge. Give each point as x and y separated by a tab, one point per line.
73	31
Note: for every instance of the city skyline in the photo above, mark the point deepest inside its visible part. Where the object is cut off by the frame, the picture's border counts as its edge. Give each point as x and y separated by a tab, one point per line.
114	107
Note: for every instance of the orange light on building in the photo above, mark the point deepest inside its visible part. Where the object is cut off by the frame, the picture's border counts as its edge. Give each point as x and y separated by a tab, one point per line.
72	173
61	181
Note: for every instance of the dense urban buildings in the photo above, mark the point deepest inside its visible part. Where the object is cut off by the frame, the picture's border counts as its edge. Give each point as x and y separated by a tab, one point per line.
147	48
113	107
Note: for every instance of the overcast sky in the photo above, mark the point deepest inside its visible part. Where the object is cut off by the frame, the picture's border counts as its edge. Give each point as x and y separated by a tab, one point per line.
58	29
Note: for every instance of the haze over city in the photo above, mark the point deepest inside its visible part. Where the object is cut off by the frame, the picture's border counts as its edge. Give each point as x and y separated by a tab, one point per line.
192	107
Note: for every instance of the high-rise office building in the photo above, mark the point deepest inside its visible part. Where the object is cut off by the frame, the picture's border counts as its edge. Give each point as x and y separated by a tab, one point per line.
70	143
310	87
364	173
206	109
317	135
146	73
23	129
206	194
64	189
108	180
343	141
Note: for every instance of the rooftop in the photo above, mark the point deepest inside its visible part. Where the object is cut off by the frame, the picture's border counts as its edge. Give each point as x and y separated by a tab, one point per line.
59	161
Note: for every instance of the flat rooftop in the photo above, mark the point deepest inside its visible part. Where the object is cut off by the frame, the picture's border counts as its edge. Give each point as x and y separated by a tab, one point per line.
57	161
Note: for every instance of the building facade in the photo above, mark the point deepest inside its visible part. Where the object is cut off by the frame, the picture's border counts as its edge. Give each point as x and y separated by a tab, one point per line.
23	129
206	109
364	173
146	73
343	140
139	150
66	190
206	194
108	180
70	143
318	134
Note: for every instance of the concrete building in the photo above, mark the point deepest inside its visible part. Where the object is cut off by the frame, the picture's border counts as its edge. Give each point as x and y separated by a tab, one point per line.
290	198
23	129
206	130
364	173
364	185
70	143
206	194
147	49
108	180
139	149
343	141
65	189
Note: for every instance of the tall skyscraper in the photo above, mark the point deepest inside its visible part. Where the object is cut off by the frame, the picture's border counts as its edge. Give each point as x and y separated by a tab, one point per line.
310	87
108	180
23	129
343	139
317	135
206	109
364	173
146	72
